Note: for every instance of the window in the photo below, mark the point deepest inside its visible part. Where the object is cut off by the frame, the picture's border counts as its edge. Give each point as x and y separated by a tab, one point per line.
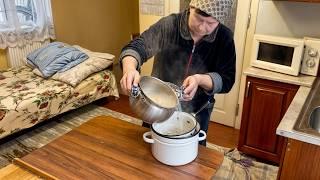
2	14
25	21
26	12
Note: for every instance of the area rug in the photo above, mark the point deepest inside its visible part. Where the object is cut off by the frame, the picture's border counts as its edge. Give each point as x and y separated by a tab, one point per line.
237	166
234	166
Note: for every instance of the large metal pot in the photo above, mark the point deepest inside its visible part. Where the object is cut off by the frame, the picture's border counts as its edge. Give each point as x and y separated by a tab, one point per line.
153	100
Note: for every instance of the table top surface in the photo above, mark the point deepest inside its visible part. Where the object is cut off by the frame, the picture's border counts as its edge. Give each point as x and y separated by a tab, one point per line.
106	147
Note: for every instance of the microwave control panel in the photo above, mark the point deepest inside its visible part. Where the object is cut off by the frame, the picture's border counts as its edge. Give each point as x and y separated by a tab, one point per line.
311	57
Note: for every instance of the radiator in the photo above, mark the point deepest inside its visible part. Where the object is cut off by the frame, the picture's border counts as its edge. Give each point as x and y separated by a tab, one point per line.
16	56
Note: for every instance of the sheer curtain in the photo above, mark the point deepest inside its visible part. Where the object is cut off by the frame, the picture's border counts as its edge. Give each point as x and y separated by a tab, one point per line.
25	21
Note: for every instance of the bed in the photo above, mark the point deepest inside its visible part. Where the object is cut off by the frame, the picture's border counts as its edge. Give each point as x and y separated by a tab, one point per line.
27	99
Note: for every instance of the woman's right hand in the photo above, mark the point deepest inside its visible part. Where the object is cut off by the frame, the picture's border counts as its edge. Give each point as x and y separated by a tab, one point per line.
130	74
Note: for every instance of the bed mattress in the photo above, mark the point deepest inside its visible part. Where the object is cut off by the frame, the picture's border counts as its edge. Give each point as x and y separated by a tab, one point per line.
27	99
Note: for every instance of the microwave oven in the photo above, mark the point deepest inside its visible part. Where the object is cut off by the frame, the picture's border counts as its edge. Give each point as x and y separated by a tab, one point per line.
286	55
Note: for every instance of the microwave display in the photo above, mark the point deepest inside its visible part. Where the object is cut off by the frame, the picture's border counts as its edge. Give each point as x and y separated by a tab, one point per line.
275	54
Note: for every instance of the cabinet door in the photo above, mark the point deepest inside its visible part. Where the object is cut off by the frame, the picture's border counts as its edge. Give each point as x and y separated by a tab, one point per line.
301	161
265	104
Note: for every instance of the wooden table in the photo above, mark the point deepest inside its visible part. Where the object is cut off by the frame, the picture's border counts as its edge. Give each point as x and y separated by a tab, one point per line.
106	147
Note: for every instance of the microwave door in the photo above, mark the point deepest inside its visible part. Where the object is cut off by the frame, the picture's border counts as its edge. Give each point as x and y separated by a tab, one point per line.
275	54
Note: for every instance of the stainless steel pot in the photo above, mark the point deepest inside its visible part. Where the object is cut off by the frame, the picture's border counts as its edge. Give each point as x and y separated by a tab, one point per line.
153	100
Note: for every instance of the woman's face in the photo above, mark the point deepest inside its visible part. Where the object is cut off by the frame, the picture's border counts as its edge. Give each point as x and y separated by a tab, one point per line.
200	25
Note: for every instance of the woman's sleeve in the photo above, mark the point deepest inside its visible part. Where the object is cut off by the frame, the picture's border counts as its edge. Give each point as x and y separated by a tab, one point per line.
224	77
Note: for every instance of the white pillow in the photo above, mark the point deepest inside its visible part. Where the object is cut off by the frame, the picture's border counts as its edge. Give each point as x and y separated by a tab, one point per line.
96	62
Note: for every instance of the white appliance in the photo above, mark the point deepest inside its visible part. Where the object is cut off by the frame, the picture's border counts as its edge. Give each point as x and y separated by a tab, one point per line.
280	54
311	58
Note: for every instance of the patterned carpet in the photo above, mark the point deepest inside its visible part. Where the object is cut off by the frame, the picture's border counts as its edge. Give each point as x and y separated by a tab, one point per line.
234	166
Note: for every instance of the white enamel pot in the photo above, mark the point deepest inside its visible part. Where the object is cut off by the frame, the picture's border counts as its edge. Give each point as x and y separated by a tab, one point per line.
179	125
174	152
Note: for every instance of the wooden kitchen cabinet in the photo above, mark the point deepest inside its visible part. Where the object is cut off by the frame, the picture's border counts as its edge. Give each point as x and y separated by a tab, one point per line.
265	103
301	161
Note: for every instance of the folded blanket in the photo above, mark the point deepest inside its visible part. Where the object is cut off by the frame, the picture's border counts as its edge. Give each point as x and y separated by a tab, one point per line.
96	62
55	57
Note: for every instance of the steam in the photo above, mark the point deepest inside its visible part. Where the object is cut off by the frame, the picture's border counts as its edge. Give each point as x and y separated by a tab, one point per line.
170	65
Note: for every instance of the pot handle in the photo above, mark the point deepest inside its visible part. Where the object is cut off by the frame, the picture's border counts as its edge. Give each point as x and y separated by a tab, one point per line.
146	139
178	90
202	137
135	91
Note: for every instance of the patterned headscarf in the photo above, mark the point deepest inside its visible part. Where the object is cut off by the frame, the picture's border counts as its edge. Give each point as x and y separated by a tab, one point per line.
219	9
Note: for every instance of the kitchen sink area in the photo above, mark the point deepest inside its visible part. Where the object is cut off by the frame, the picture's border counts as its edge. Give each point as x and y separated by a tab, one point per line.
308	120
301	126
301	121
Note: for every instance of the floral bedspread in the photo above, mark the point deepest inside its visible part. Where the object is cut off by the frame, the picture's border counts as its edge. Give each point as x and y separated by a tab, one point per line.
27	99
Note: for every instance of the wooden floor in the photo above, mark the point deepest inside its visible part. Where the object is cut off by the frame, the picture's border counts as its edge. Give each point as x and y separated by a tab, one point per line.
15	172
217	133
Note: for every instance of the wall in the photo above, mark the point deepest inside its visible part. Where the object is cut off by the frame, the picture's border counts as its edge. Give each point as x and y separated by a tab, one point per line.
292	19
99	25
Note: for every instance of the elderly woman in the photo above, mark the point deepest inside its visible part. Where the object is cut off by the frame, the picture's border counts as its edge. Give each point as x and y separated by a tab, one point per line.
193	49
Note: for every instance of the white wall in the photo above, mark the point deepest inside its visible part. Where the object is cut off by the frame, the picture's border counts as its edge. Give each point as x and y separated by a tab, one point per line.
293	19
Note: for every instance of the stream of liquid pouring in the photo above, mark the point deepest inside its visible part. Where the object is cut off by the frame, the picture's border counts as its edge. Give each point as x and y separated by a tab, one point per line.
179	108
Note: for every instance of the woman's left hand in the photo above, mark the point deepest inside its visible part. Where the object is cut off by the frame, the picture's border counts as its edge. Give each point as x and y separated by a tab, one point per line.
190	85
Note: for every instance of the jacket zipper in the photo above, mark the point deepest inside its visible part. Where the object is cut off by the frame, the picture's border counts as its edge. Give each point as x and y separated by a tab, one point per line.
189	61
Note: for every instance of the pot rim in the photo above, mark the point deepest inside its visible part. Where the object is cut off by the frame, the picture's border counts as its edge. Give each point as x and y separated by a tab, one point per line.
163	83
176	144
193	130
197	131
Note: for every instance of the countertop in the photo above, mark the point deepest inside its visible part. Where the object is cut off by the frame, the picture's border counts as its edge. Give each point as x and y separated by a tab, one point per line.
301	80
288	121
